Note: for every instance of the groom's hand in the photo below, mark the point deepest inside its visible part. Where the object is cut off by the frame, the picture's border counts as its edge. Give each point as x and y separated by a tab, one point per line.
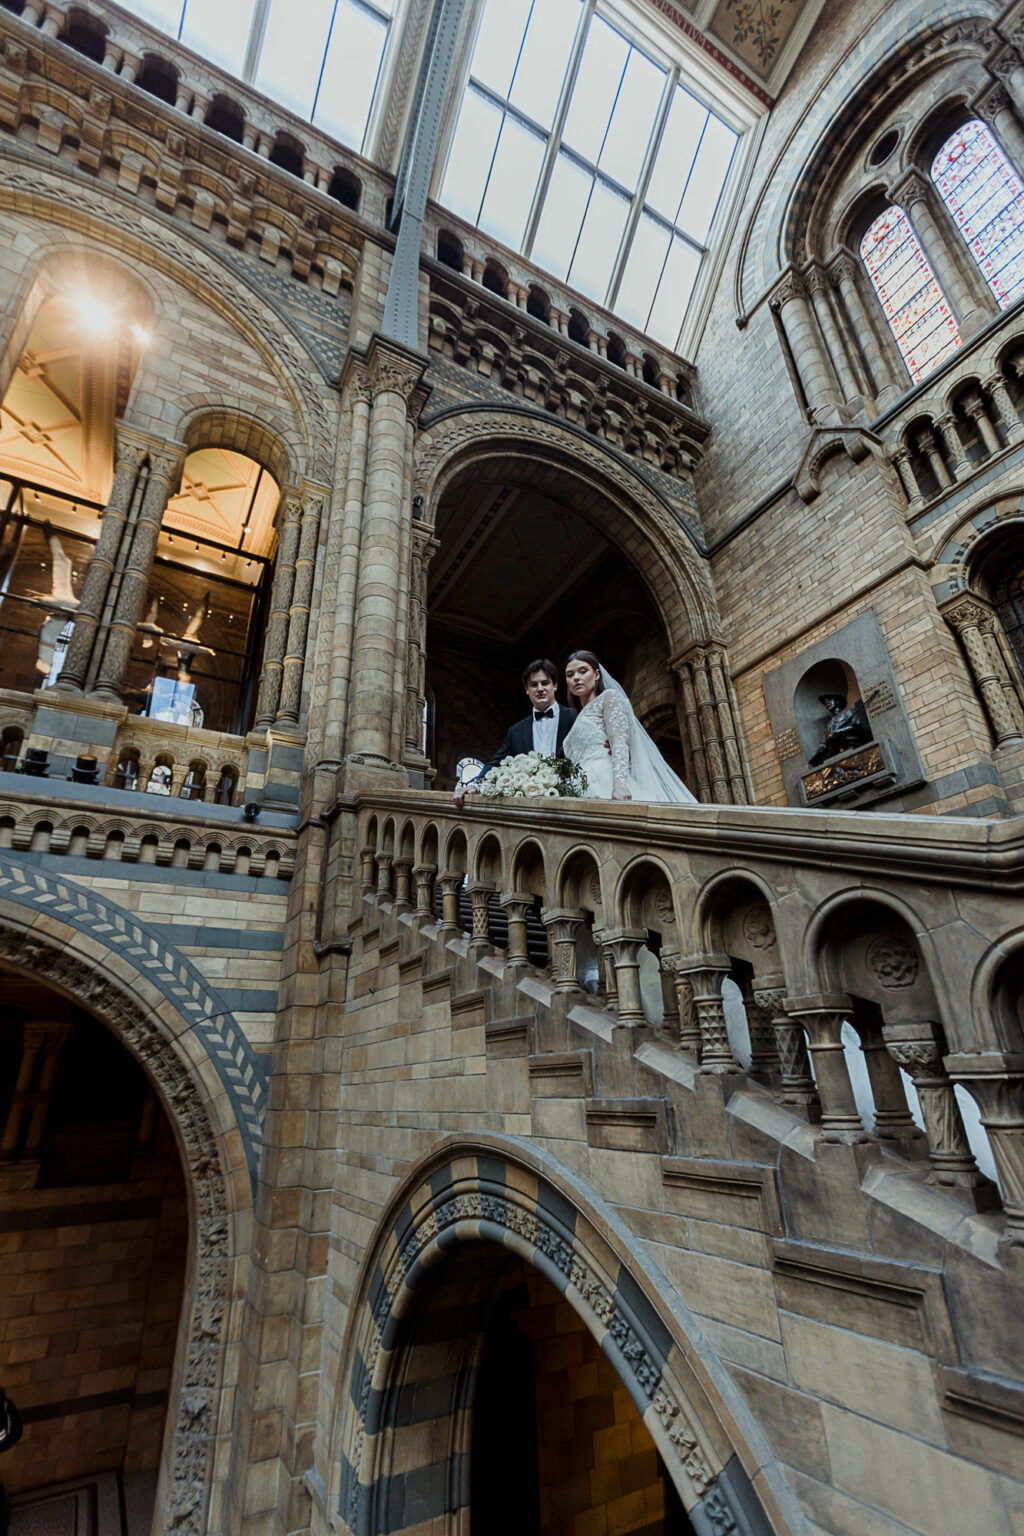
461	791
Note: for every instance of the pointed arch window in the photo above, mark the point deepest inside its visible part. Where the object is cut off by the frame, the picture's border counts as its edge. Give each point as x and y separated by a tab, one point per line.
915	306
986	198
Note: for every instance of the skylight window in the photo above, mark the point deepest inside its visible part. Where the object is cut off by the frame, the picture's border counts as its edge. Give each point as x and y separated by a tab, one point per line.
322	61
577	148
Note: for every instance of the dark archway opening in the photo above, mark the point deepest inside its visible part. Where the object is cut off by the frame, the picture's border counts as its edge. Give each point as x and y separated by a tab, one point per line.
526	569
95	1232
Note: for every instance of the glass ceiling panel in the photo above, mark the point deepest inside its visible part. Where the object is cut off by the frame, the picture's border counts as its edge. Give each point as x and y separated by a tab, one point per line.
544	56
292	56
514	175
498	44
629	133
351	69
597	84
319	58
472	152
564	207
586	122
219	30
679	144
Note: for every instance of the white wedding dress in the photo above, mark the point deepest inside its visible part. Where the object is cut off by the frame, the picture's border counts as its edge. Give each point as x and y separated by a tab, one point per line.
613	749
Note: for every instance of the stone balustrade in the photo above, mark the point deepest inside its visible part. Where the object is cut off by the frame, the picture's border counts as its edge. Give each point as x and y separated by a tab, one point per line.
771	932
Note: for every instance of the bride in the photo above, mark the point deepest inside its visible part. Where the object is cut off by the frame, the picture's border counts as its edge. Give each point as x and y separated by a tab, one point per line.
609	743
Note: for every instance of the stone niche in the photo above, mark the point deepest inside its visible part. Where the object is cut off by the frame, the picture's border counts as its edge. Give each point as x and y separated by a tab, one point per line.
854	662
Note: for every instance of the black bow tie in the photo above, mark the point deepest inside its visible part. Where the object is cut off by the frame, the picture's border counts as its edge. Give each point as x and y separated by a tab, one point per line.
543	714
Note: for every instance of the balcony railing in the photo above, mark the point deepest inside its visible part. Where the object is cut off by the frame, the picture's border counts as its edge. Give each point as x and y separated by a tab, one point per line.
901	927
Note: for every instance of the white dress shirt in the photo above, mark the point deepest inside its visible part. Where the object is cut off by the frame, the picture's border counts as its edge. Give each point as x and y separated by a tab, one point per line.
545	733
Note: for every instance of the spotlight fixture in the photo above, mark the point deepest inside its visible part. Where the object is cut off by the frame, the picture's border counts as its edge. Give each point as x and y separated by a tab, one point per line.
142	336
96	317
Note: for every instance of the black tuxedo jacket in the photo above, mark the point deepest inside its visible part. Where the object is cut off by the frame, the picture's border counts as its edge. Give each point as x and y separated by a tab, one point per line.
519	737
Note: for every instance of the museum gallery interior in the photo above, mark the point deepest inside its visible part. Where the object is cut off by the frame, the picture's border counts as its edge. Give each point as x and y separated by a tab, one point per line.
378	1160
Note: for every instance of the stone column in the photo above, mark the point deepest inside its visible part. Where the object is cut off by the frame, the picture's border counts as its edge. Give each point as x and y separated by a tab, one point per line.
357	387
721	687
927	445
818	286
943	249
694	739
424	547
978	412
905	469
394	374
403	884
562	924
995	1079
424	874
368	870
606	960
276	637
790	303
1012	424
450	886
893	1120
129	458
969	618
164	469
764	1055
883	381
384	862
954	445
797	1092
706	973
515	906
298	610
480	893
670	1018
918	1050
1002	105
623	945
822	1016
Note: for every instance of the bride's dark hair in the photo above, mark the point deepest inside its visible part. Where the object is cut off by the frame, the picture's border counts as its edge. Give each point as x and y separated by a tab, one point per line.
591	661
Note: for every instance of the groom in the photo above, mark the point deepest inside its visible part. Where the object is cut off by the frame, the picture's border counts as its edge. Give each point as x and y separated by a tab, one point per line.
543	730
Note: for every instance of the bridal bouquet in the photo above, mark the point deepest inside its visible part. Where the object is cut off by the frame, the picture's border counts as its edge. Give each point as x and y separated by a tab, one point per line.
531	773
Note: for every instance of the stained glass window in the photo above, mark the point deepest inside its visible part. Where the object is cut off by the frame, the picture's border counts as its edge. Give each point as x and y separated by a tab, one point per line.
915	306
986	198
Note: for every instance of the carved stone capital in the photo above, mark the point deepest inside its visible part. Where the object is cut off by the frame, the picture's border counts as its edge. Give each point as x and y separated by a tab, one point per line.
966	613
910	188
790	287
392	371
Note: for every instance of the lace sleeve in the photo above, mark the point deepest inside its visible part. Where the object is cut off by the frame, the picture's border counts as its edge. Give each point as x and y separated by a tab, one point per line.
615	712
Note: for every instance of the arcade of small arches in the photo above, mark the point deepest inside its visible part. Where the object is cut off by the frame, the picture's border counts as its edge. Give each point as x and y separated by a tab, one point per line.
728	967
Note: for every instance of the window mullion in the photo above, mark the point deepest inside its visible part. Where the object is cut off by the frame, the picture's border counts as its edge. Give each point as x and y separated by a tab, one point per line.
664	107
257	31
555	136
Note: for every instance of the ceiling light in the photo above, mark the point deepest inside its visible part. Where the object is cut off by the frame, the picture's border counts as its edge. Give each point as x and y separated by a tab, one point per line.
142	336
97	317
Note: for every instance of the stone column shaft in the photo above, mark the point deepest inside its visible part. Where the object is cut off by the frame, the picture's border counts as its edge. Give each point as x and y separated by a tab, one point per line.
342	603
423	875
480	893
969	619
918	1049
276	637
705	974
100	569
394	375
1012	424
135	580
623	944
515	906
996	1081
944	251
693	733
450	886
822	1018
803	336
819	285
798	1092
905	469
298	611
403	884
883	382
563	924
954	445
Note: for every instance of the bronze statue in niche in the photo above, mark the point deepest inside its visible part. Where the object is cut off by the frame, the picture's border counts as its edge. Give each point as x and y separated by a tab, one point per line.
844	728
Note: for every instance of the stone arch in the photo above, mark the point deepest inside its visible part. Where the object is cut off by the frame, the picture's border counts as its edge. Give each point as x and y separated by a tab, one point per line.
125	999
880	55
271	443
675	570
517	1199
152	242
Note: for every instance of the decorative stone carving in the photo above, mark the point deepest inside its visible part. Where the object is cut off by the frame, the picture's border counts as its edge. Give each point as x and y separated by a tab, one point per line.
758	928
893	961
